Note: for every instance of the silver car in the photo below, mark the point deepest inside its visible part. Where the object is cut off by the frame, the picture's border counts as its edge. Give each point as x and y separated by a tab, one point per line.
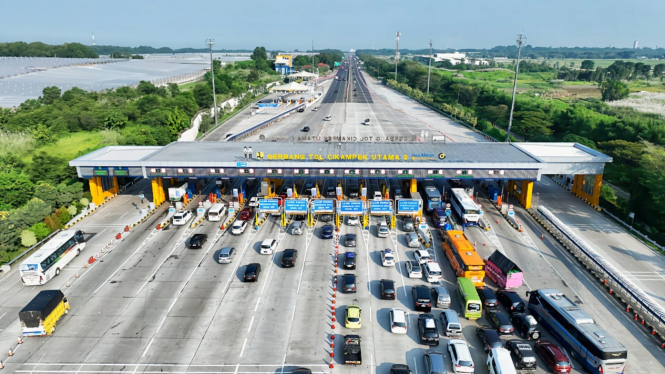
383	231
412	240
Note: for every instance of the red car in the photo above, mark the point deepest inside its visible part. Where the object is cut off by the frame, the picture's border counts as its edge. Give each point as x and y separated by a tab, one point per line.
245	214
553	356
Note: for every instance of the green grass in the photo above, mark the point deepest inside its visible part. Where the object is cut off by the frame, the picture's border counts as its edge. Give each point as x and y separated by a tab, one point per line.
69	146
189	86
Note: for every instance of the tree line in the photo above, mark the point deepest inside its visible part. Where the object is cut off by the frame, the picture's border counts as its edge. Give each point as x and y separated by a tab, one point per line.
38	49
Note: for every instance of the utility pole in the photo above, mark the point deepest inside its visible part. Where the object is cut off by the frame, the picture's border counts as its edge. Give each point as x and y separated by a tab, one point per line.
429	68
520	39
210	42
312	56
396	54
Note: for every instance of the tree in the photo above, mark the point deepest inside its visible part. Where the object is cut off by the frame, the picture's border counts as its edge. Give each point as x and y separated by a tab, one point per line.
572	138
466	95
50	95
31	213
28	238
646	70
174	89
612	90
177	122
48	168
146	88
114	120
658	70
588	65
253	75
203	96
494	113
259	54
15	189
40	230
532	123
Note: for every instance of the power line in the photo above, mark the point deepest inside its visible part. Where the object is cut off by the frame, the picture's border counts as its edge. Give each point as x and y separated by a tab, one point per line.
520	40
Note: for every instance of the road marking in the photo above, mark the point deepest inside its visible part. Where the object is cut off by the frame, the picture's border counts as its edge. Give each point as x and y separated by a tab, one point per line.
237	367
147	348
243	347
370	313
12	285
152	276
308	240
283	362
124	214
250	324
257	303
415	365
393	239
293	315
3	315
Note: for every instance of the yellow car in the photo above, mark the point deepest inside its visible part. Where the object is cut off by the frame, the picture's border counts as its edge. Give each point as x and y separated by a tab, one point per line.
352	317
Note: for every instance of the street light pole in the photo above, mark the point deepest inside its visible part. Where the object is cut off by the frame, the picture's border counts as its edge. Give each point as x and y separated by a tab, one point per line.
429	68
396	54
210	42
520	40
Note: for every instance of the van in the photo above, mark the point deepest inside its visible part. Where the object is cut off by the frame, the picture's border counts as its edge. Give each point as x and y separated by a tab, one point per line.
297	228
451	323
432	272
499	362
441	297
353	191
216	212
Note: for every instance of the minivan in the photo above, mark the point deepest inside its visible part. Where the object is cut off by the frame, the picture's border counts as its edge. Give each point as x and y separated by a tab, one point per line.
432	272
442	297
408	225
216	212
451	323
289	257
499	362
226	255
440	218
297	228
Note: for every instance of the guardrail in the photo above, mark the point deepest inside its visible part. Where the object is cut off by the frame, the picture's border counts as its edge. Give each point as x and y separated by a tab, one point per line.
642	305
9	264
237	111
265	123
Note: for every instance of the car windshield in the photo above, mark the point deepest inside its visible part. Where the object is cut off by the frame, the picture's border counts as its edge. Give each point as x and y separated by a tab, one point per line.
563	363
224	255
178	217
454	326
354	319
466	363
474	307
399	324
237	225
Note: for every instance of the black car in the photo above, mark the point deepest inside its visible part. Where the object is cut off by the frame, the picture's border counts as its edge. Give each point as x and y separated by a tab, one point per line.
305	129
301	371
511	301
500	322
522	354
489	337
252	272
350	240
422	298
427	329
331	192
197	240
349	260
388	291
526	326
488	297
327	232
349	283
301	110
400	369
326	217
289	257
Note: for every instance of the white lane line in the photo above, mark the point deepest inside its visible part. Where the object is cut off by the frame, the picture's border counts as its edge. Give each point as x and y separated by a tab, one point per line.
101	232
124	214
370	313
165	365
283	363
12	285
243	347
237	367
257	303
307	243
250	324
272	262
293	315
3	315
147	348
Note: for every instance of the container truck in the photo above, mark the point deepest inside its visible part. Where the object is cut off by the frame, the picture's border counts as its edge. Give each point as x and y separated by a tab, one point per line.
177	192
503	271
352	352
40	316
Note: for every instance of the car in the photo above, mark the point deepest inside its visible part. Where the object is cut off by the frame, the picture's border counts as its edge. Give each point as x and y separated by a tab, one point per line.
553	356
350	240
413	269
383	230
526	326
349	260
349	283
366	121
487	297
441	297
181	217
422	298
289	257
336	90
353	221
301	371
197	241
522	355
427	329
352	320
434	363
301	110
408	225
328	118
252	272
245	214
315	109
378	195
387	257
305	129
268	246
400	369
422	256
388	291
331	192
489	337
327	232
228	136
226	255
238	227
511	301
412	240
460	356
354	88
253	202
398	321
500	321
297	227
326	217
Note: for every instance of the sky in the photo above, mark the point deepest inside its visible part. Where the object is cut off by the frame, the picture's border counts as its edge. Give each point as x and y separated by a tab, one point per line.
340	24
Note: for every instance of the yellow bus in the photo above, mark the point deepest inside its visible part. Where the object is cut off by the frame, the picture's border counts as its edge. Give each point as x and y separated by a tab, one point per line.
464	259
41	315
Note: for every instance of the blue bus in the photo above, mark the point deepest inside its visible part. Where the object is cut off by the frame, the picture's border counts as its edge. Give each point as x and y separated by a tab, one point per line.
430	195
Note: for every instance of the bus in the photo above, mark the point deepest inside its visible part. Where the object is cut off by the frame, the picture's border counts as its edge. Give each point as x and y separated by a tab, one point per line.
431	195
465	207
469	299
577	332
464	259
52	257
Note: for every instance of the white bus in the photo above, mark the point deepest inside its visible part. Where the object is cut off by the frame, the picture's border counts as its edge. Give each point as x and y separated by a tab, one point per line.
52	257
465	207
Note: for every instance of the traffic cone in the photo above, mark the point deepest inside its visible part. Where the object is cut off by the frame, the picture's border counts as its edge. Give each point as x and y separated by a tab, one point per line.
20	340
126	228
333	307
332	336
333	301
11	353
334	319
331	365
332	345
333	326
333	312
3	366
68	284
332	354
484	244
335	289
542	236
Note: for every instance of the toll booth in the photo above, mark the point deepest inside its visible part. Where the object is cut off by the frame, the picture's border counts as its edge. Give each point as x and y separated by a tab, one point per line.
352	208
318	207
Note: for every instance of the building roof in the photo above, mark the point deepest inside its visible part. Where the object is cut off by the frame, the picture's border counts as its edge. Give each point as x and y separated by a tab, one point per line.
290	87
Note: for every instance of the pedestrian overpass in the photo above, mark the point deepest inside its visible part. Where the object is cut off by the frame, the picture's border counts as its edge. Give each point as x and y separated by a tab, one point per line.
516	164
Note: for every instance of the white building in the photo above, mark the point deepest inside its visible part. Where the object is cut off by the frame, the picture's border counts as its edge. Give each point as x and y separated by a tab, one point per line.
454	58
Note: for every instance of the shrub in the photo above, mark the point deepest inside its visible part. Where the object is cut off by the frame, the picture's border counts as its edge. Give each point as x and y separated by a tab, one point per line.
28	238
40	230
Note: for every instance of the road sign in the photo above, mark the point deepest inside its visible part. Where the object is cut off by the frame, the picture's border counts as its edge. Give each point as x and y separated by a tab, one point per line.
408	206
380	206
241	164
268	205
295	206
323	206
351	207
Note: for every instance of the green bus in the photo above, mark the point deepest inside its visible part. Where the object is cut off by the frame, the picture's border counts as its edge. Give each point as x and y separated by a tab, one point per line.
468	298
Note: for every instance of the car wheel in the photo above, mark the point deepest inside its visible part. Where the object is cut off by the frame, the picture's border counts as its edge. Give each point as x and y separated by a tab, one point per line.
78	251
57	272
535	336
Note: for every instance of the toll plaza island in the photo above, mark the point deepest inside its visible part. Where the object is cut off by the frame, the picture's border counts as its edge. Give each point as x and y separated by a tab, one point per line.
514	166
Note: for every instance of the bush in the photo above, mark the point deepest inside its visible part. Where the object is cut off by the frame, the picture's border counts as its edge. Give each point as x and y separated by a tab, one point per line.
87	196
40	230
28	238
484	126
63	215
73	210
607	193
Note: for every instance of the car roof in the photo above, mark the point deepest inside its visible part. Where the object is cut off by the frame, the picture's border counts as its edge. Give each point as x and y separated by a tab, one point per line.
421	252
252	267
422	290
267	241
486	291
387	282
399	315
350	236
490	333
502	317
349	276
239	221
353	310
512	295
289	251
415	263
555	350
226	249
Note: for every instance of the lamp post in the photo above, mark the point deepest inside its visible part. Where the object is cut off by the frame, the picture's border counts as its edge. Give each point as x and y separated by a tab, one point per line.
210	42
520	40
397	54
429	68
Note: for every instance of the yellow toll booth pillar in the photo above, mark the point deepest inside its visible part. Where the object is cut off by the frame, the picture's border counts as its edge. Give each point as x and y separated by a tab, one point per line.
156	194
592	194
96	190
527	191
414	186
597	184
116	188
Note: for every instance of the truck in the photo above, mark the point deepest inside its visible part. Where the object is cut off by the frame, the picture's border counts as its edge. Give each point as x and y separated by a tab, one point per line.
40	316
177	192
352	353
503	271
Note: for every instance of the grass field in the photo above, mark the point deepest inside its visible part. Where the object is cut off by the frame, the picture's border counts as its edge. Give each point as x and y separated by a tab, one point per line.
69	146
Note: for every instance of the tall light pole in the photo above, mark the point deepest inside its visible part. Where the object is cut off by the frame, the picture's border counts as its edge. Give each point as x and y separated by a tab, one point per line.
429	68
520	39
396	54
210	42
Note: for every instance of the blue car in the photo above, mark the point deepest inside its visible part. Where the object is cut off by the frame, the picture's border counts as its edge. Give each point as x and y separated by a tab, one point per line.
349	260
327	232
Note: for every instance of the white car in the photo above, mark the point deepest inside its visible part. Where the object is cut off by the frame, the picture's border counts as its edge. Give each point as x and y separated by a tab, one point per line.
414	269
377	195
383	230
328	118
353	221
387	257
316	108
253	202
181	217
398	321
460	356
268	246
238	227
422	256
